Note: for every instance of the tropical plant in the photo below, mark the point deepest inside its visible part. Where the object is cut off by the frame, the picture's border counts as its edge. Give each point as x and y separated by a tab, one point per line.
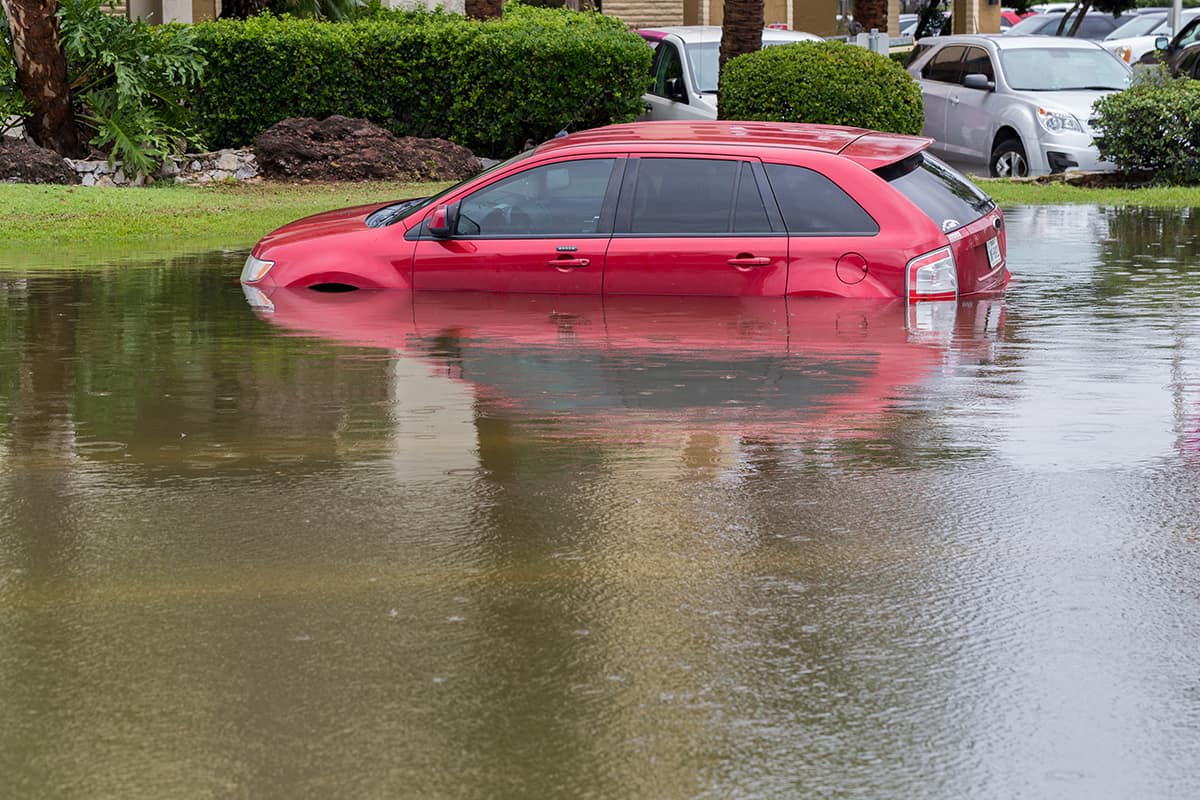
12	103
129	82
1153	128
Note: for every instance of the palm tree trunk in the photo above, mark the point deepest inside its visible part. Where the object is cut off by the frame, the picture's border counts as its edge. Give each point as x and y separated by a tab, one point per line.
741	29
42	75
1083	9
483	9
871	14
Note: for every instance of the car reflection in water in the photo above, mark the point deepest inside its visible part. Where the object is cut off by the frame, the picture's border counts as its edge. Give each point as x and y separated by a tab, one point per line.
746	366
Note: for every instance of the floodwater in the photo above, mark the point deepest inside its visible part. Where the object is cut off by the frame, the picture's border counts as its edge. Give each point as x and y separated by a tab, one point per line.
366	547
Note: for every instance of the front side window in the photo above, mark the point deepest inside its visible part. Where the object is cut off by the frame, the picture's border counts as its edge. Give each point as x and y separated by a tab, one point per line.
670	67
813	205
945	66
561	199
1189	34
697	196
978	62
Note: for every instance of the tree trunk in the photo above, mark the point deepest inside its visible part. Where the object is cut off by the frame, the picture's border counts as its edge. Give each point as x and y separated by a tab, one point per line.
484	9
871	14
1083	10
741	30
242	9
1062	23
42	75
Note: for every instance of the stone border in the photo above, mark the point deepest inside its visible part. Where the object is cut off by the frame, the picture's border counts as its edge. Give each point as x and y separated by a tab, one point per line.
191	168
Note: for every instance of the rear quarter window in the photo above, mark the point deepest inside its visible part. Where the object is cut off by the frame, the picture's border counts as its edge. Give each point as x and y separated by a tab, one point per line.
813	205
946	197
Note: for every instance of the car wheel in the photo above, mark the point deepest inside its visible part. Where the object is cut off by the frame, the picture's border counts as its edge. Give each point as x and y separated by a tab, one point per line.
1008	160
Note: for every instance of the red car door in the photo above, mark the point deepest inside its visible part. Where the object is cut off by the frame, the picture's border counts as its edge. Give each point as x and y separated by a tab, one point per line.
699	225
544	229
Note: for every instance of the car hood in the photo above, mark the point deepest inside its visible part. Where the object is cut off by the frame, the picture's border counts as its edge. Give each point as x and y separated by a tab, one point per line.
343	220
1077	102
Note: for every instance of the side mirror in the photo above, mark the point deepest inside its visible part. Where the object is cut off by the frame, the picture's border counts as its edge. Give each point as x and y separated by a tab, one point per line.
1161	43
977	80
675	91
443	220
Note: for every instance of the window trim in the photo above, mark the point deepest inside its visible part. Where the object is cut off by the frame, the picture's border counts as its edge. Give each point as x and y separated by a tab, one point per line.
604	226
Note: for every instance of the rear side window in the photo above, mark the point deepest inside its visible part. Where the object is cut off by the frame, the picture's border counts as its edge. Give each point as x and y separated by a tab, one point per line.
945	66
697	196
946	197
813	205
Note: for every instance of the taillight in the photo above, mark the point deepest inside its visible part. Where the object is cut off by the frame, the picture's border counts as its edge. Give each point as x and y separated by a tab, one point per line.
932	276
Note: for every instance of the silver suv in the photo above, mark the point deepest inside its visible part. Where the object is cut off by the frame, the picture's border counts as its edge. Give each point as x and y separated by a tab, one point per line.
1019	105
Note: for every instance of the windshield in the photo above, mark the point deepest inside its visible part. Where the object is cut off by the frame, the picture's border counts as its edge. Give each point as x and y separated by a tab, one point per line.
705	58
1048	69
1141	25
405	208
1032	24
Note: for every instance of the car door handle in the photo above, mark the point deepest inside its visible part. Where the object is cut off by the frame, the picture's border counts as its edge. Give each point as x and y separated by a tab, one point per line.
954	99
742	262
569	263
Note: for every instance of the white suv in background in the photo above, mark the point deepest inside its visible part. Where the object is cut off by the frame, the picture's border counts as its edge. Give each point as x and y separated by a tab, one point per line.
686	59
1015	105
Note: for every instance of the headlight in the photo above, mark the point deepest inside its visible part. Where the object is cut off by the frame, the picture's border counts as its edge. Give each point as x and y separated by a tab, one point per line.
255	269
1058	121
1124	53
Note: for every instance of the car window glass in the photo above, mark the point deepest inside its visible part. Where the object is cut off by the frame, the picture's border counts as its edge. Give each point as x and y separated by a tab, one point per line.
978	62
749	212
561	199
946	197
705	58
669	66
945	66
1189	34
1094	26
1059	68
696	196
812	204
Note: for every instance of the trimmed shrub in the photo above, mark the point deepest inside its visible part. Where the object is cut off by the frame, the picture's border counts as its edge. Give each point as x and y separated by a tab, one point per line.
490	86
828	82
1153	128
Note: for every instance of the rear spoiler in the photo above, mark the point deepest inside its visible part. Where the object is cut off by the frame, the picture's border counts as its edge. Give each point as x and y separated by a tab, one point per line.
876	150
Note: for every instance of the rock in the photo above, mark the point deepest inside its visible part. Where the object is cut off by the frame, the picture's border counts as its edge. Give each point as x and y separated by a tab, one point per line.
25	162
343	149
227	161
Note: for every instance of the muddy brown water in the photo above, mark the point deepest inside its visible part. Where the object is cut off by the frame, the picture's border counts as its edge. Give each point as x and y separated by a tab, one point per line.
555	547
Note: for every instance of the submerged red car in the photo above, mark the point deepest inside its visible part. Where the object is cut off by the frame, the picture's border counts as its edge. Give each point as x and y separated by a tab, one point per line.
670	208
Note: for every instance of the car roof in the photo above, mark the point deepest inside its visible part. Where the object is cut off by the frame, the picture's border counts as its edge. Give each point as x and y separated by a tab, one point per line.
1007	41
871	149
700	34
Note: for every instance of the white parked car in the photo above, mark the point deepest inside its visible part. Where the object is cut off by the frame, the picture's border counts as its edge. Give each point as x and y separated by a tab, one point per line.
1015	105
1137	37
686	63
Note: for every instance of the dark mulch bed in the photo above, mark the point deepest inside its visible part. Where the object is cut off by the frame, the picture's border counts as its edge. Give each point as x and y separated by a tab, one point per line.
343	149
25	162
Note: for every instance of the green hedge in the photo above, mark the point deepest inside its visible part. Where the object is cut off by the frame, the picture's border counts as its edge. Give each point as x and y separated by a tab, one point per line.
487	85
1153	127
829	82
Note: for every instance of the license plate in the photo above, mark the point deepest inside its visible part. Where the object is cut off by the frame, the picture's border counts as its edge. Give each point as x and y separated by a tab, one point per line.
993	248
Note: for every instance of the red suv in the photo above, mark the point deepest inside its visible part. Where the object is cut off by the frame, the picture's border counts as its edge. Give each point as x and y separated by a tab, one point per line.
670	208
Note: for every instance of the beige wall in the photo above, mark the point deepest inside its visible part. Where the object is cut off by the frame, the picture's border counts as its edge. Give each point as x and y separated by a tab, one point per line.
813	16
975	16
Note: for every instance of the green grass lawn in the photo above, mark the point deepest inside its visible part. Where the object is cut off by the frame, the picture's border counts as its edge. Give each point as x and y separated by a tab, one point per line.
74	225
81	225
